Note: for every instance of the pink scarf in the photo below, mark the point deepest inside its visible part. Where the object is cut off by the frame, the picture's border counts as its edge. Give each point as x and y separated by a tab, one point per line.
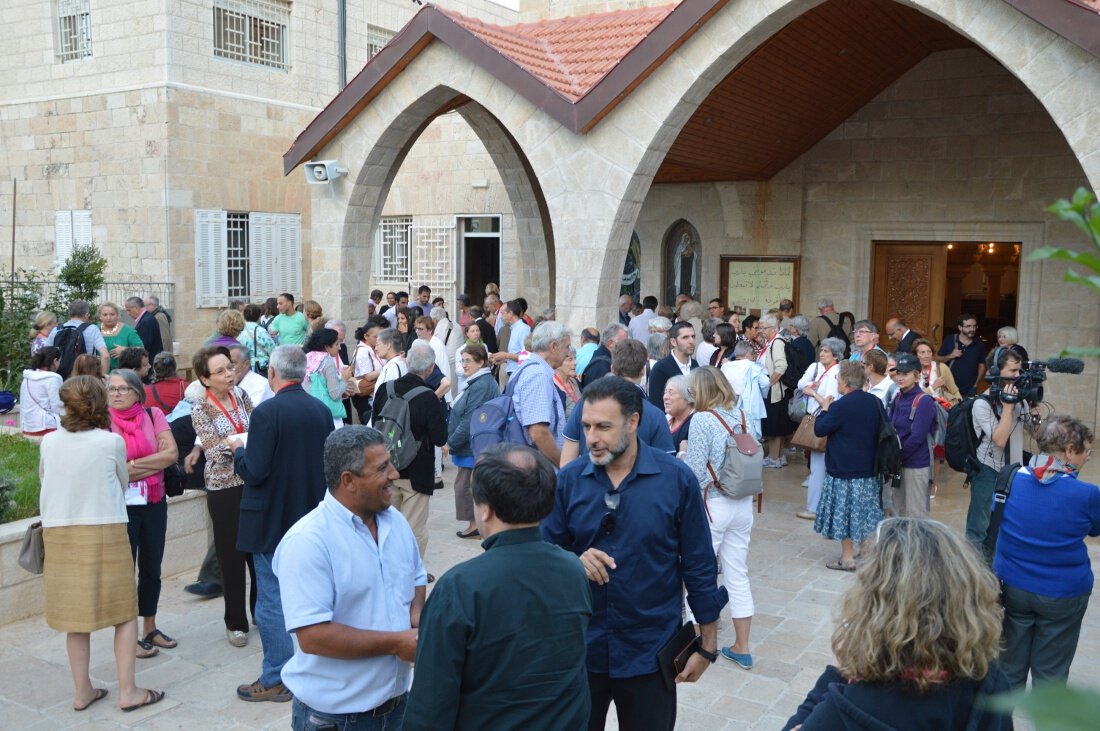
130	425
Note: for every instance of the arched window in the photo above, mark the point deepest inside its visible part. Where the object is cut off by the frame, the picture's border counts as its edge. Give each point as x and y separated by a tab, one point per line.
683	254
632	269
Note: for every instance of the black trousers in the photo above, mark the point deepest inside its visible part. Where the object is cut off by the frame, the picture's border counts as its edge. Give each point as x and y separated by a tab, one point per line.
225	515
147	527
642	703
362	407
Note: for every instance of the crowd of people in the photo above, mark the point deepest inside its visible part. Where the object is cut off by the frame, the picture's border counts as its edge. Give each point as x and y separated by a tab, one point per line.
604	521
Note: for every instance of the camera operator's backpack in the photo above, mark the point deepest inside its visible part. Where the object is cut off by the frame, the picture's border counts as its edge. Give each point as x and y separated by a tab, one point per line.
960	445
70	341
887	449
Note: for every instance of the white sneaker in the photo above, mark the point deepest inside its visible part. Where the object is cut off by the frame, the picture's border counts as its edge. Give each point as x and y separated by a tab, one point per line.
806	482
768	462
781	462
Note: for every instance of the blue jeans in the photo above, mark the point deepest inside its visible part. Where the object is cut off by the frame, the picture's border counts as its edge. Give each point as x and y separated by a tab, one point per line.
981	506
1040	635
278	647
304	718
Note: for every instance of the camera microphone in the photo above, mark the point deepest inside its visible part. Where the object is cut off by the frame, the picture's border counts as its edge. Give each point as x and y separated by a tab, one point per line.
1065	365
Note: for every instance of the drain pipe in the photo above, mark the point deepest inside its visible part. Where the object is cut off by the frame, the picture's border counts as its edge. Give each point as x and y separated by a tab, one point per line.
343	31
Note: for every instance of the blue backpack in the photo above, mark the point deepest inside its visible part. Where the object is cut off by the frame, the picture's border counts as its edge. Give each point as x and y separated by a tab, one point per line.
496	421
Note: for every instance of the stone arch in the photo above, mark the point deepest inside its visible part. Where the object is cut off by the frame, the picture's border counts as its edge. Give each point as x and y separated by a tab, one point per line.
344	240
680	246
1064	78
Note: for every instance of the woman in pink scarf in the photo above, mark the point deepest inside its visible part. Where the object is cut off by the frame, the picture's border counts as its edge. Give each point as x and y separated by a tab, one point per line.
149	449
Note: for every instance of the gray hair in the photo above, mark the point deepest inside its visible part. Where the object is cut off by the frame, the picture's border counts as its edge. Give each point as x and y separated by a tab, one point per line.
133	382
659	324
547	333
870	325
196	392
836	346
610	332
135	302
420	358
337	325
288	362
392	337
657	345
708	327
154	299
245	355
438	313
800	323
346	449
682	386
78	308
1010	334
743	348
692	310
549	314
823	302
768	320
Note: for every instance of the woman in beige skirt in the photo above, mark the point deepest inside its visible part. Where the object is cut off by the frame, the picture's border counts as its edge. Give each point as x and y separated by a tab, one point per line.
89	573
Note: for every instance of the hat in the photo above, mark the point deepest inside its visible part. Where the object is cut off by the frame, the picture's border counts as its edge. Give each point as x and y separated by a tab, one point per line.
906	363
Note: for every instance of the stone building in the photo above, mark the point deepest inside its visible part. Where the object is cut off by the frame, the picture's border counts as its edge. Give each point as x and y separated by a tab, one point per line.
156	130
848	147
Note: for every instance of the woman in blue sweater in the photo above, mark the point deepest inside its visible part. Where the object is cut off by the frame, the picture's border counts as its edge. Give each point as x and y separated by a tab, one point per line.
1041	556
849	510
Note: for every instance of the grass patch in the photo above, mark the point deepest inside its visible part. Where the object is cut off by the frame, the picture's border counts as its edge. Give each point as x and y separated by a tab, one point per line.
19	469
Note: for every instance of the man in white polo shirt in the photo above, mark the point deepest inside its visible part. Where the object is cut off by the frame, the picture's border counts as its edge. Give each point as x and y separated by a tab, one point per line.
352	587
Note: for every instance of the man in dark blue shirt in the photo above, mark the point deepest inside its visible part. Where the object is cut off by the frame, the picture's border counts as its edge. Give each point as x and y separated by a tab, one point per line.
635	517
507	628
965	354
628	362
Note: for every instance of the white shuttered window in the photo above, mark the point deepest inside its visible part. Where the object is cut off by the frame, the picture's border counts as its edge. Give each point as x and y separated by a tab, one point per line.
70	229
274	256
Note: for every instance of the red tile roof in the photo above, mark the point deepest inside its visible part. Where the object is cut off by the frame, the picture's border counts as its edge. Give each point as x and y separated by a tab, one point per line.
571	55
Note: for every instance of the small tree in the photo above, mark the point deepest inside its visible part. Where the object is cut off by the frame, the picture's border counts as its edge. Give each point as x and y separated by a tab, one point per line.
83	275
1083	213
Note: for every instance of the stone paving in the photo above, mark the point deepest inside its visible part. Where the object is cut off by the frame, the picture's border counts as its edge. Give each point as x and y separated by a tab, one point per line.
795	598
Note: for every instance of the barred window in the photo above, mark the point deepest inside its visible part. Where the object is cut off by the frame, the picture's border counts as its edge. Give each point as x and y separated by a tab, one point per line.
377	38
236	254
253	31
240	255
73	30
393	248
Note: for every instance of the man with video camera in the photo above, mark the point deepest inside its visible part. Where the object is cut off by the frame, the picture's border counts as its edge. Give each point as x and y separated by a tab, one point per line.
1000	418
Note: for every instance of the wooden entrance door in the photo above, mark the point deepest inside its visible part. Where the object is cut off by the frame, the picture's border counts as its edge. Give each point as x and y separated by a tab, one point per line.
909	282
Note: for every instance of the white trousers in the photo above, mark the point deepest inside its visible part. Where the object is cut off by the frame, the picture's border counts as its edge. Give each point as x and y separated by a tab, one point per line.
817	481
730	529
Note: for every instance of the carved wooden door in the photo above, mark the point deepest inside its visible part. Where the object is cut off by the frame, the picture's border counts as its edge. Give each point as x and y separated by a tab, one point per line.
909	282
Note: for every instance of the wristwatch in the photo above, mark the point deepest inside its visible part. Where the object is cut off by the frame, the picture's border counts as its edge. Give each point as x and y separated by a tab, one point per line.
711	656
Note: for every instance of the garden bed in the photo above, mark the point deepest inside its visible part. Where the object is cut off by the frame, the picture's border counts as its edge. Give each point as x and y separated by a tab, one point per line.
19	474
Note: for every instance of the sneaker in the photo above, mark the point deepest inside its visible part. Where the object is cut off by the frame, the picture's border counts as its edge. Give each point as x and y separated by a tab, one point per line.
743	660
236	637
768	462
806	482
257	692
781	462
806	515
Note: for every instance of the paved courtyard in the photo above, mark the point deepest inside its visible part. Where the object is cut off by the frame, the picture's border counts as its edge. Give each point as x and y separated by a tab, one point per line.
795	598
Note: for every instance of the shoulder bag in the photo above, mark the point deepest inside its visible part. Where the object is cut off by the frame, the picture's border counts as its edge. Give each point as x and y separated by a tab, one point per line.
32	554
804	437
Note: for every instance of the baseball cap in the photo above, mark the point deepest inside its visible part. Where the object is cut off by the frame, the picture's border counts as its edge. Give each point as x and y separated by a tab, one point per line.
906	363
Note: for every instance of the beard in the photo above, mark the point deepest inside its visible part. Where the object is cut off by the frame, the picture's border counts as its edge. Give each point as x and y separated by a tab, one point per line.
613	452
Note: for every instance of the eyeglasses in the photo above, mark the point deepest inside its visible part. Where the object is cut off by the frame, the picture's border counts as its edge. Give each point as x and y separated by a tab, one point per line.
467	361
611	500
422	329
863	331
222	371
118	390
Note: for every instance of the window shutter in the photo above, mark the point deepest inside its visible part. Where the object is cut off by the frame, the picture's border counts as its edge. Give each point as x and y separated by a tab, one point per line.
211	280
63	237
261	251
288	253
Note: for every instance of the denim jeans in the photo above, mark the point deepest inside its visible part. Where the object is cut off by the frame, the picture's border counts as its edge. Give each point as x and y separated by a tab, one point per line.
981	506
278	647
304	718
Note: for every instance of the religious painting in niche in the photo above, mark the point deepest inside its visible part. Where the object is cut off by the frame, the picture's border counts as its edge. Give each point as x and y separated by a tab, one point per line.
683	256
632	269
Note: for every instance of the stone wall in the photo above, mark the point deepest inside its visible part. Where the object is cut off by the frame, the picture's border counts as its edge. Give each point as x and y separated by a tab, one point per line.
956	149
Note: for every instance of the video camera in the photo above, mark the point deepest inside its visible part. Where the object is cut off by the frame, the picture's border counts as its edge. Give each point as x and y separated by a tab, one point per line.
1029	384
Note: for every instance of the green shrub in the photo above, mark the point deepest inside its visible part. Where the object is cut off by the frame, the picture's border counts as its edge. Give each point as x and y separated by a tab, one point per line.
19	483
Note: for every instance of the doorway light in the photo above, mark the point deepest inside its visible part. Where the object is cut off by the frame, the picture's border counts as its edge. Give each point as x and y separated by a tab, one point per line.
950	247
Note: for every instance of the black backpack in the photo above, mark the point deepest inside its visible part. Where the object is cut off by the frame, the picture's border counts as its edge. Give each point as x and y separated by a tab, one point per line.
796	366
70	341
837	331
887	450
1002	488
960	446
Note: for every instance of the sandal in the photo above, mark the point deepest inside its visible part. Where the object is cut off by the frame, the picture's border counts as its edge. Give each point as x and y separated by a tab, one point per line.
156	638
151	697
100	694
839	565
146	650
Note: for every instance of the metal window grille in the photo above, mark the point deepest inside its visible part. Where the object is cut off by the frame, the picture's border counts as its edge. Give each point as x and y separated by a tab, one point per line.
253	31
393	243
377	38
236	249
74	30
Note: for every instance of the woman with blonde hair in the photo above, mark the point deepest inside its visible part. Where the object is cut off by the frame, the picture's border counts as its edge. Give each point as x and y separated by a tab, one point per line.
230	326
116	334
44	323
89	572
716	412
315	315
916	641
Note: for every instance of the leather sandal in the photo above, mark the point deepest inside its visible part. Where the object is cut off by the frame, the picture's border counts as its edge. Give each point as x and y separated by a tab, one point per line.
146	650
156	638
839	565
